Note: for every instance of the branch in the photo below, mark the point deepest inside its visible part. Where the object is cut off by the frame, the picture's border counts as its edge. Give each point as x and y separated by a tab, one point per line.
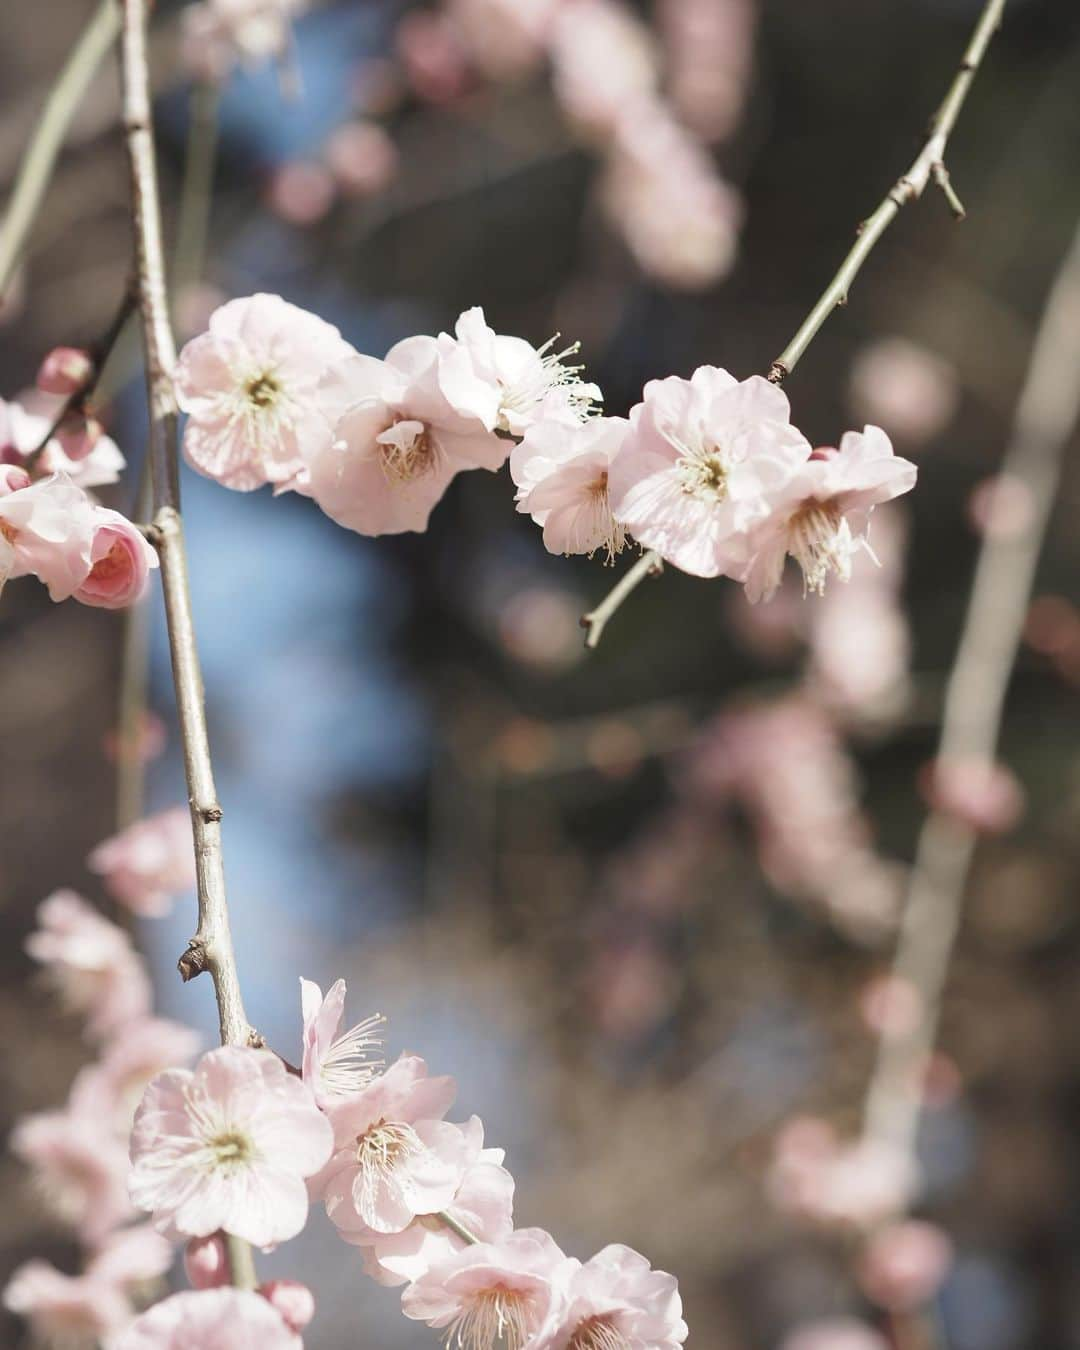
36	167
211	947
648	565
1045	422
930	164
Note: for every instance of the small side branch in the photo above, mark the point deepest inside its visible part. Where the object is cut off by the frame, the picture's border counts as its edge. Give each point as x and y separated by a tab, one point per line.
930	165
649	565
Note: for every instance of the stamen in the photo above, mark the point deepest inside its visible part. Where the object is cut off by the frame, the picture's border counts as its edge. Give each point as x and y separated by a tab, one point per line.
349	1064
407	450
598	1333
263	390
495	1317
820	540
379	1153
231	1148
703	473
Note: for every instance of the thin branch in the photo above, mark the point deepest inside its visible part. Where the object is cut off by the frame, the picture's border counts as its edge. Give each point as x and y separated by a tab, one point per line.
36	167
134	682
648	565
211	948
458	1228
930	165
1045	423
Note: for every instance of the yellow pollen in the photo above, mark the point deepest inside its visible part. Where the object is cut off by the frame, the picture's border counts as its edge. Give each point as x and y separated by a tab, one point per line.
231	1148
704	474
263	390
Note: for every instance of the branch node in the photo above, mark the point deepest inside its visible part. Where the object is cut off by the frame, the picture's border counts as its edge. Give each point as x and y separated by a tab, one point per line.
210	814
194	961
944	182
777	373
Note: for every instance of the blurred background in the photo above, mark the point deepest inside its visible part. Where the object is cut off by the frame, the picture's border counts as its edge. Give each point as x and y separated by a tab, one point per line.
638	901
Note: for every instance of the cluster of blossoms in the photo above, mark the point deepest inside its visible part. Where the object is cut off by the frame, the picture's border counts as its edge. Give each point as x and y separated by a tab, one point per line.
51	526
709	472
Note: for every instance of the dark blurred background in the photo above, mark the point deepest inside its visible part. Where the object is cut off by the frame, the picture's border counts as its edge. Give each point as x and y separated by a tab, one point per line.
520	852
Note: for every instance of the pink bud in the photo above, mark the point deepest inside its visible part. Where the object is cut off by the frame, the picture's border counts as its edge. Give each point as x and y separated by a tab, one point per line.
1001	506
301	192
362	158
891	1006
903	1264
78	435
823	452
294	1301
148	741
435	63
982	795
12	478
65	371
120	561
206	1262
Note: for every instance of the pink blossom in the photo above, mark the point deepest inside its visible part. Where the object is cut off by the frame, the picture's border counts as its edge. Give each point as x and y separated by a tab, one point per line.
89	462
903	1265
857	1184
394	1155
839	1333
603	58
903	387
66	1310
435	62
148	864
206	1262
504	38
822	515
700	466
210	1319
80	1167
131	1257
664	195
336	1067
64	371
362	157
301	192
250	387
146	744
561	470
616	1298
216	34
405	427
527	382
112	1088
120	562
293	1302
891	1006
12	479
983	795
1002	506
227	1146
491	1293
91	961
483	1205
710	53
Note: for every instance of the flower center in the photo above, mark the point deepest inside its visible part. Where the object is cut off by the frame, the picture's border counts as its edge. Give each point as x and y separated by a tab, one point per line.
112	567
8	532
493	1317
231	1149
406	450
263	390
597	1333
820	541
703	473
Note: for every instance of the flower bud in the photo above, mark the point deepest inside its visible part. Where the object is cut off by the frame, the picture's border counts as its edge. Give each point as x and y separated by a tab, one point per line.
294	1301
65	371
206	1262
78	435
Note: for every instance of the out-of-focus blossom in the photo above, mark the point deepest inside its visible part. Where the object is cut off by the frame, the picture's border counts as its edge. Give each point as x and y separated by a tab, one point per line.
529	383
561	471
111	1088
903	387
631	986
405	427
91	962
603	59
25	425
483	1205
336	1067
904	1264
301	192
839	1333
80	1166
146	866
663	193
891	1006
148	741
710	51
362	158
1001	507
292	1301
822	515
13	478
206	1262
700	466
492	1292
983	795
210	1319
857	1184
131	1257
616	1298
394	1156
505	39
228	1146
434	58
540	626
64	371
218	34
66	1310
250	387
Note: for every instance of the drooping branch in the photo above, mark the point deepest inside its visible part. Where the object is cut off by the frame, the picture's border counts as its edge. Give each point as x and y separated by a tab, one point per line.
1045	425
36	167
930	165
211	948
